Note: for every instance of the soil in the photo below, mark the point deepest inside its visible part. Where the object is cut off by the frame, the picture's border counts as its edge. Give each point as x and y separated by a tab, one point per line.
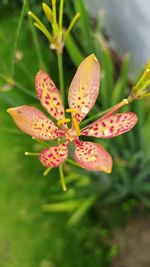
133	244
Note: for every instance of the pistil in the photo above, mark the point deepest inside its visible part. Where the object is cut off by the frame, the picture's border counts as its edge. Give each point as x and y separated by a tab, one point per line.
74	120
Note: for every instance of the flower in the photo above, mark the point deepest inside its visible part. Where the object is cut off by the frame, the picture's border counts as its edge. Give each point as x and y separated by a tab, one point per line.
82	96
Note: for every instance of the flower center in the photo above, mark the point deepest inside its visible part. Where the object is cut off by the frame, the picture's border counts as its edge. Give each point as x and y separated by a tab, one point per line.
60	122
72	133
74	120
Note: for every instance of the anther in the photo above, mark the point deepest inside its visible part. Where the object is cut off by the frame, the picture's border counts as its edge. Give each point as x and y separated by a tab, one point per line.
76	126
71	110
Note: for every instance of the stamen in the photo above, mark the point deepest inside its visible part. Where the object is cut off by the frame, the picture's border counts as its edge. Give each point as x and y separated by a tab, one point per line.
62	121
74	120
76	126
71	110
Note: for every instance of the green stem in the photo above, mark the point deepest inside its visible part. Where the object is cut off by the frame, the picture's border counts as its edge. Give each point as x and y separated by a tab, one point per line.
61	76
40	141
73	163
23	11
61	14
54	24
62	178
75	18
107	112
47	171
36	43
95	117
31	154
17	85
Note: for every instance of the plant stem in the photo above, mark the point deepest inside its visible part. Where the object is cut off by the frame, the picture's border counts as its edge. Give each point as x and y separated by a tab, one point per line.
61	76
23	11
75	18
31	154
36	44
73	163
47	171
107	112
61	14
95	117
40	141
62	177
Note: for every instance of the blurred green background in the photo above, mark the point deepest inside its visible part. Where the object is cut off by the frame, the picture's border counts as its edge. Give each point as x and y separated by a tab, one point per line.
94	222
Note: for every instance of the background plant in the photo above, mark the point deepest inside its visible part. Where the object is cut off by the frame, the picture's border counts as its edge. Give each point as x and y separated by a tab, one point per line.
42	219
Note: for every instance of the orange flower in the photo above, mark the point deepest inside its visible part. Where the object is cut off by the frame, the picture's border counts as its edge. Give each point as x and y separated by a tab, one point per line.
82	96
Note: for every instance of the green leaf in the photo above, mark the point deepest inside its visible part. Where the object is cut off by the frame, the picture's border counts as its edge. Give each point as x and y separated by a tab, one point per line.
61	206
80	212
85	26
73	51
107	81
122	82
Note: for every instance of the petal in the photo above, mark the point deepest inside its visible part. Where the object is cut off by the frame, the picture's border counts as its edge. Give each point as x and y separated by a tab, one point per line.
111	126
53	156
92	156
84	87
49	95
33	122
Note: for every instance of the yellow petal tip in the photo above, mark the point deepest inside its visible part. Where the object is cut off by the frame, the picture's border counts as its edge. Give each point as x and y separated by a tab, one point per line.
109	171
8	110
94	57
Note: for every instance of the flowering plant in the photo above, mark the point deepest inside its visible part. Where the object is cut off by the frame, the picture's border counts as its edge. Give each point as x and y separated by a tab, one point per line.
82	96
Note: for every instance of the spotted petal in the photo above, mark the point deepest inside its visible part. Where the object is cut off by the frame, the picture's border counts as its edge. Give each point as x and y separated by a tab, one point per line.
53	156
33	122
84	87
49	95
111	126
92	156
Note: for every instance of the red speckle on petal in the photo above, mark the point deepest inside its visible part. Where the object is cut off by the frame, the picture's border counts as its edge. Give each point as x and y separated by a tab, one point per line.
103	124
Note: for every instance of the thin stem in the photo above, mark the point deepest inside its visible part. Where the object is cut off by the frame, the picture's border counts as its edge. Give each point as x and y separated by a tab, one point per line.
73	163
75	18
23	11
62	178
17	85
24	90
40	25
95	117
9	130
54	11
44	31
107	112
61	76
40	141
61	14
54	24
36	43
31	154
47	171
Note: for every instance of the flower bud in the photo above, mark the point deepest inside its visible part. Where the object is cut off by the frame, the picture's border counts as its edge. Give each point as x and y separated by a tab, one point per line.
140	90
